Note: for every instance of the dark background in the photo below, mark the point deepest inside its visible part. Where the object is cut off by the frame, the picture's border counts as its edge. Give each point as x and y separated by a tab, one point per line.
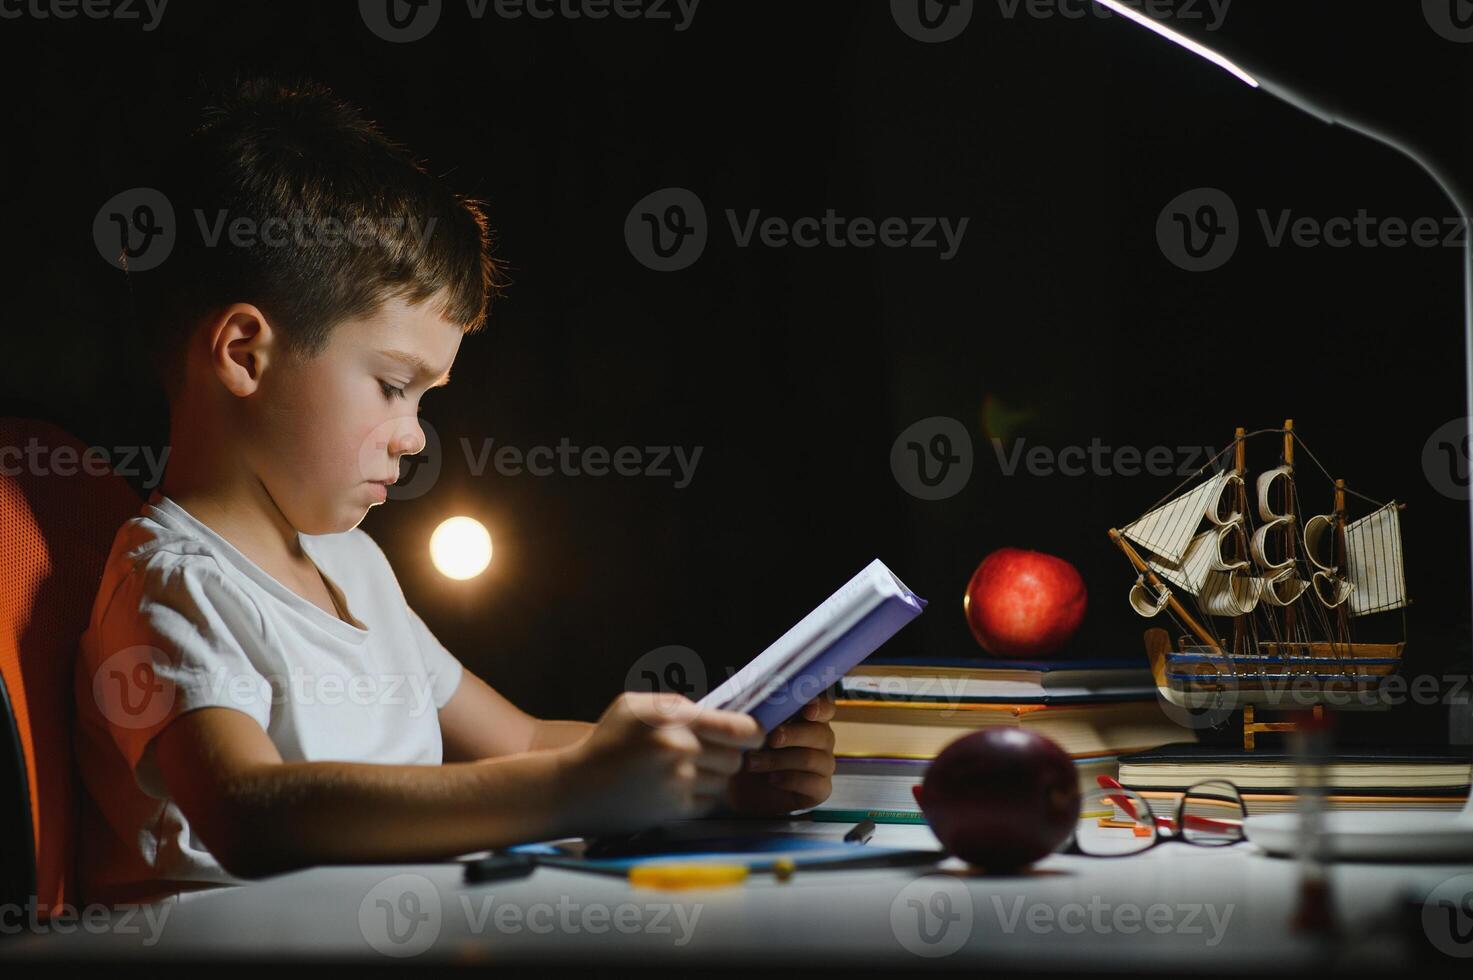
1059	321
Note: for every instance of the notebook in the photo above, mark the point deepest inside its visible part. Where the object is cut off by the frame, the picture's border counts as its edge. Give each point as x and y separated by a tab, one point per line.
757	851
1388	770
922	729
822	647
992	679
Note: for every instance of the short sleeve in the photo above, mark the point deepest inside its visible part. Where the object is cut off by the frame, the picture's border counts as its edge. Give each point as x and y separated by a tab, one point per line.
176	636
440	664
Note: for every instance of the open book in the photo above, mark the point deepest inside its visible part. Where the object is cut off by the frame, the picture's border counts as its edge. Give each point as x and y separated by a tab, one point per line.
825	645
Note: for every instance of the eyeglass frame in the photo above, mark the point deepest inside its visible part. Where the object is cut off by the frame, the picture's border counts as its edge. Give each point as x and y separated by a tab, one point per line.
1175	823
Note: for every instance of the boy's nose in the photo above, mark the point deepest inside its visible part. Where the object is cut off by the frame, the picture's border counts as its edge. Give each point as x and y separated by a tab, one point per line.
408	440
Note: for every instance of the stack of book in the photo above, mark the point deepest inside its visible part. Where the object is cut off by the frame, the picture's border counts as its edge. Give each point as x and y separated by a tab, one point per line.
1379	779
894	716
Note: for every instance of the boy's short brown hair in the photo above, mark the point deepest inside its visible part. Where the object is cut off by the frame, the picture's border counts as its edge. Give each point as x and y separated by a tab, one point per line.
286	197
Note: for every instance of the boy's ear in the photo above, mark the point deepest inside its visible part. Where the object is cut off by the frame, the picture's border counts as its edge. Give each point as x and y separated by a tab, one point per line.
241	345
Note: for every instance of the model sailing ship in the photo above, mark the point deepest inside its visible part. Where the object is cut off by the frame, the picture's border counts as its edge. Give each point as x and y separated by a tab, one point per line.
1273	606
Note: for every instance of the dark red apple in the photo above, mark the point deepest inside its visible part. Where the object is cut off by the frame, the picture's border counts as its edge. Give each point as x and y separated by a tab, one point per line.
1024	604
1000	798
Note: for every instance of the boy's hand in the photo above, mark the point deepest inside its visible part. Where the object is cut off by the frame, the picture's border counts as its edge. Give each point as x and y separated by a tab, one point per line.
652	758
794	768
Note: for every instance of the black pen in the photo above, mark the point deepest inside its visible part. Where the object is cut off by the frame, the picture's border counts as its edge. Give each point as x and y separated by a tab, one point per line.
499	867
861	832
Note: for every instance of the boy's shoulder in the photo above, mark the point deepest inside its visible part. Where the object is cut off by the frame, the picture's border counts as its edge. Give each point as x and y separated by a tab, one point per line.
165	554
163	530
152	558
154	540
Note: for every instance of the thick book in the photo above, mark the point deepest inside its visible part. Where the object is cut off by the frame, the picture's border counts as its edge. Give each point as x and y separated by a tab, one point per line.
1164	803
1388	771
821	648
963	679
921	729
883	785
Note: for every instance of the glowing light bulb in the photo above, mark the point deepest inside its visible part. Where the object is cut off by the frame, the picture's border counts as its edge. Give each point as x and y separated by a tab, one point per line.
460	548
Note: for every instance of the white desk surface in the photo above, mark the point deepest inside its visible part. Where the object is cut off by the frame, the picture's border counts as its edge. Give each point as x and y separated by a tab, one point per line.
1174	907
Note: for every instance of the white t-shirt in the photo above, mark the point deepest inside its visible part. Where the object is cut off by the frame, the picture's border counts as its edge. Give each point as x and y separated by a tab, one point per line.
216	629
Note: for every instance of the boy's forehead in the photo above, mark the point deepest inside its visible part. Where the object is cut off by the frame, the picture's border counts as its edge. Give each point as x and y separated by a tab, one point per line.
415	335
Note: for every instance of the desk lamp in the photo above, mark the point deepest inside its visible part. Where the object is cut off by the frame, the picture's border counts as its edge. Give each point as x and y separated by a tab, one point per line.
1443	153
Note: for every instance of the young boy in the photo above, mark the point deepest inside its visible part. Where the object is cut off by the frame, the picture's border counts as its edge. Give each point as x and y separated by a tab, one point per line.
253	693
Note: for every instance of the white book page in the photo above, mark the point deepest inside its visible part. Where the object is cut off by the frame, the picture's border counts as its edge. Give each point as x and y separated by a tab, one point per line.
808	638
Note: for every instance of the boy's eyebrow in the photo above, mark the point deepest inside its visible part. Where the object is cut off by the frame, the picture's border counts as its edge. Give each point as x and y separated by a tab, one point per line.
417	364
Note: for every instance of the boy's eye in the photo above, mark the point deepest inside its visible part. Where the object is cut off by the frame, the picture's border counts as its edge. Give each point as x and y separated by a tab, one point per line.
390	391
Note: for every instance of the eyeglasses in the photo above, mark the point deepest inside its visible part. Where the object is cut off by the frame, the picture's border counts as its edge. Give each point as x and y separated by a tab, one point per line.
1209	813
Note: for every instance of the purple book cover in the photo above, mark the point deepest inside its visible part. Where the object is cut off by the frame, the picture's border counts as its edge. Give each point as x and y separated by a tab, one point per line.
824	646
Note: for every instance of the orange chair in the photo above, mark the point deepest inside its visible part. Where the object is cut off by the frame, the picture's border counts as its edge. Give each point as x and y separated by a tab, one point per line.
57	523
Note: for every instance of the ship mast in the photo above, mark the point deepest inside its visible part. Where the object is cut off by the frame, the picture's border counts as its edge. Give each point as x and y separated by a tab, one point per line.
1294	527
1342	620
1184	617
1240	466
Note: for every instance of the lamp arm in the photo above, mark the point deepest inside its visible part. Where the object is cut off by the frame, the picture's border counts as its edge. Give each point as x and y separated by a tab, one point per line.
1456	193
1447	177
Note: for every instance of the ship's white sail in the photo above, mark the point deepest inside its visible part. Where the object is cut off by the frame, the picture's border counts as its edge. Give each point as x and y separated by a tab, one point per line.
1373	564
1259	544
1168	530
1283	588
1332	589
1372	579
1226	594
1315	530
1203	557
1265	485
1144	602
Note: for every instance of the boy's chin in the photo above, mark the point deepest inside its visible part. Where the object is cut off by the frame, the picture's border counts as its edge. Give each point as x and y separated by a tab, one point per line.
345	517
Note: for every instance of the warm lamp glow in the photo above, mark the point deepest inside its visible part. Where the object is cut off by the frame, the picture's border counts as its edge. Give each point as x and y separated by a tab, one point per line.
460	548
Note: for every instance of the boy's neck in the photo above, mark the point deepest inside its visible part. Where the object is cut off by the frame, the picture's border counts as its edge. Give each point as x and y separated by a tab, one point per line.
236	506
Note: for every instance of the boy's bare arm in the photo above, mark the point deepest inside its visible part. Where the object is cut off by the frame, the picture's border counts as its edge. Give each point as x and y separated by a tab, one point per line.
259	815
557	734
478	723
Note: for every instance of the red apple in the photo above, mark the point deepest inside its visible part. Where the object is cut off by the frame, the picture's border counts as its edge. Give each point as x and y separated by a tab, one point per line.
1024	604
1001	798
